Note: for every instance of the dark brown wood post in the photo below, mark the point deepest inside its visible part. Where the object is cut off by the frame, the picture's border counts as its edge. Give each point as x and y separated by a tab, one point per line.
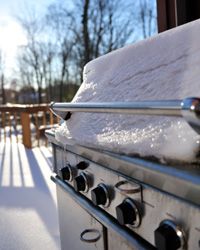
166	14
172	13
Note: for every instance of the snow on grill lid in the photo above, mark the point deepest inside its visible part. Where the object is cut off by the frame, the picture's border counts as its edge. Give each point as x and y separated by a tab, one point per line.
163	67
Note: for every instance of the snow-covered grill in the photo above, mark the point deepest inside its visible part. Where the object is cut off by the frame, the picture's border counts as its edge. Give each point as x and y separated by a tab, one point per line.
118	201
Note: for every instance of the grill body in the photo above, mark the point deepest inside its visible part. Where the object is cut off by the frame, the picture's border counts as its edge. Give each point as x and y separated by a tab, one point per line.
124	202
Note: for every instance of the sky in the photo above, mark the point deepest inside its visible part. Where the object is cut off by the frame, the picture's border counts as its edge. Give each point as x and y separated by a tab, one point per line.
11	34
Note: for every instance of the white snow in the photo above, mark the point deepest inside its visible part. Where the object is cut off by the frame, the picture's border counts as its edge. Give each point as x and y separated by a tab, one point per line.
166	66
28	208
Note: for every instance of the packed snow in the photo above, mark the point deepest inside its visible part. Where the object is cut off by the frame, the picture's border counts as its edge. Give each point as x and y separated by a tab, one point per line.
162	67
28	208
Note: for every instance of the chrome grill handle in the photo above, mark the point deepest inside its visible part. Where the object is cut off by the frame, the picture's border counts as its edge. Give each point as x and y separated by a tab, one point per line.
188	108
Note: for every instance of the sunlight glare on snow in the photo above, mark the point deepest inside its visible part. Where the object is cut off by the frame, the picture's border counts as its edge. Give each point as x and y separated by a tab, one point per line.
28	179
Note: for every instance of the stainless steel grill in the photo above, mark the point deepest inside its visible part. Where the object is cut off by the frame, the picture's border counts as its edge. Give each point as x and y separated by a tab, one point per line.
188	108
114	201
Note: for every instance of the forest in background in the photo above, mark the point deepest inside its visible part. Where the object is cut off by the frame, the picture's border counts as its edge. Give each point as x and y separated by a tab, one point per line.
65	38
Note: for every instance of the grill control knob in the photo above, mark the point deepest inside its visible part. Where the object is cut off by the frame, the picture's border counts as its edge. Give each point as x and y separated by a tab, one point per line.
169	236
81	183
82	165
100	195
66	173
127	213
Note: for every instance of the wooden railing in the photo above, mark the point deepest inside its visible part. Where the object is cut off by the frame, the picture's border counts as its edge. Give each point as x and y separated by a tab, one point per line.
27	122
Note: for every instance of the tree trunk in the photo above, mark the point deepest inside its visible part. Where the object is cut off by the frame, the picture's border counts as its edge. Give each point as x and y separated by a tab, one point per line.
61	90
85	32
3	90
39	95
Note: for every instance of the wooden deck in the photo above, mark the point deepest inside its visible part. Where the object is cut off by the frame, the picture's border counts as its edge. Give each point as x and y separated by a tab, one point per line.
27	121
27	198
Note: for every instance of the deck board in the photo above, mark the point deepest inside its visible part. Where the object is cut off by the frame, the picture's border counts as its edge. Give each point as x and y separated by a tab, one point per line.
28	206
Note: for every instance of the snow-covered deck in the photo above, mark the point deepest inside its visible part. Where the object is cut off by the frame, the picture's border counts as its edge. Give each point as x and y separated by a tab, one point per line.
28	213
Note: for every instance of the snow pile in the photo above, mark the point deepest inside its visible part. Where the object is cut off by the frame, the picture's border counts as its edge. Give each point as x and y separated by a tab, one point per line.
163	67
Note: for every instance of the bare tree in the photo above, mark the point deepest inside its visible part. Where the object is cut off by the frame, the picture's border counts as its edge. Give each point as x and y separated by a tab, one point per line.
37	55
30	54
71	36
86	39
25	71
2	78
31	57
147	17
99	27
60	21
47	53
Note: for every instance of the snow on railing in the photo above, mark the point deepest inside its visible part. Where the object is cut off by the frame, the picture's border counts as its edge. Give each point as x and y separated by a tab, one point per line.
26	121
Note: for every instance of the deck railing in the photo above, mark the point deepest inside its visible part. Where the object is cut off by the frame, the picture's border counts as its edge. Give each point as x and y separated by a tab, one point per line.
27	122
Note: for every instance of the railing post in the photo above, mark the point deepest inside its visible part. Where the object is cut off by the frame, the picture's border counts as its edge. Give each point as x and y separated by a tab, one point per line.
26	130
26	112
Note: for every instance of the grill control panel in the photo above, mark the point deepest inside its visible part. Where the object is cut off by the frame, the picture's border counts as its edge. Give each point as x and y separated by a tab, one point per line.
165	221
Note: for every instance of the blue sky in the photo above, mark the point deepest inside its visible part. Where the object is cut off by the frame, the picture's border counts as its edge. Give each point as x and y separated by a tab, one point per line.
10	7
11	33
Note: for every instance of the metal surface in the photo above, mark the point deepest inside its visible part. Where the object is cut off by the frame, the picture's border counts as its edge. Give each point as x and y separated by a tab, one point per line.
90	235
171	107
189	108
191	112
132	240
154	205
73	221
122	187
164	177
161	193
